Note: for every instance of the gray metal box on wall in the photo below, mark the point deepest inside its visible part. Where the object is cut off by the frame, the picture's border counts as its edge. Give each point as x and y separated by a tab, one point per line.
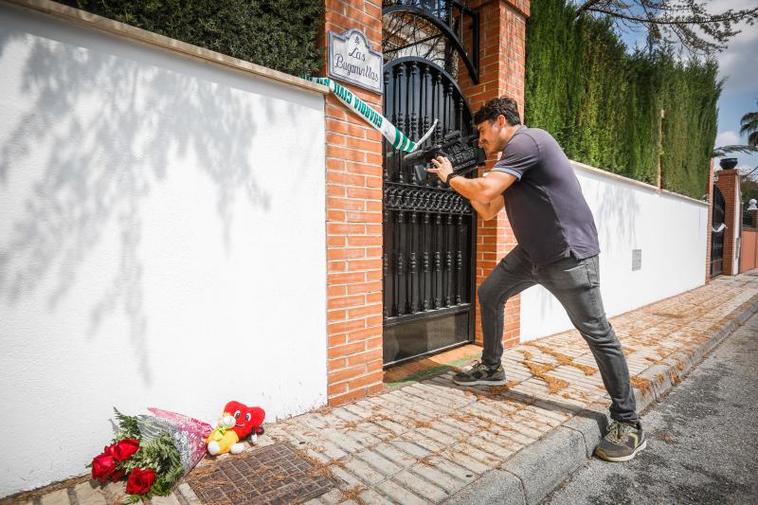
636	259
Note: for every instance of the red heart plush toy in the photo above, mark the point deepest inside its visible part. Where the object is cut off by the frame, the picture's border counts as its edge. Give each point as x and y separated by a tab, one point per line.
248	420
237	422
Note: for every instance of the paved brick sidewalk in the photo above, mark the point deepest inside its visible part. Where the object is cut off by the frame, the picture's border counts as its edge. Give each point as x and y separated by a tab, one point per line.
428	440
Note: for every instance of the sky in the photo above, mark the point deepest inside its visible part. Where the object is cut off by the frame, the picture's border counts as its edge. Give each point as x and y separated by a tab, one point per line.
738	65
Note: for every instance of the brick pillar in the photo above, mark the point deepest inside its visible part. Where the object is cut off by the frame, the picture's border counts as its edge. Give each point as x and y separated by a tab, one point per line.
729	184
354	224
502	69
709	225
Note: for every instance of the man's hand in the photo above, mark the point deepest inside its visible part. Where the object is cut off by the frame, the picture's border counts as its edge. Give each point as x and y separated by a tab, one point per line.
485	193
442	167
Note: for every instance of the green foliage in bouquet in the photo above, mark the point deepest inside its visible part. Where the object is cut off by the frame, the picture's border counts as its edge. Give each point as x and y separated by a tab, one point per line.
127	427
145	452
161	455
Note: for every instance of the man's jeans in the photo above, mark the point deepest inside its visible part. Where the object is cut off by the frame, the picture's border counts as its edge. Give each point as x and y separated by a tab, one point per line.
576	284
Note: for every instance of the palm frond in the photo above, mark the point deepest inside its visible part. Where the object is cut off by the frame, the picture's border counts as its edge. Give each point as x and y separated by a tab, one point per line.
744	149
749	124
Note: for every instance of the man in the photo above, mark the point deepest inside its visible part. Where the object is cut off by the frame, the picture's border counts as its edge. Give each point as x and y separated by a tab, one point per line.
557	248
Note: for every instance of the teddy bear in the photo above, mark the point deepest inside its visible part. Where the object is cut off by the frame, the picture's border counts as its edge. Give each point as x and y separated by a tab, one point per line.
237	422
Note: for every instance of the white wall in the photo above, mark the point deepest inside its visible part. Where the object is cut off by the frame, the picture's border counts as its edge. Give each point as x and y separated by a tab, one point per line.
735	225
162	242
669	229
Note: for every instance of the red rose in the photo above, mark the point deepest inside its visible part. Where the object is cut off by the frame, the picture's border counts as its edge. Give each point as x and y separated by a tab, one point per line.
103	467
122	449
117	475
140	480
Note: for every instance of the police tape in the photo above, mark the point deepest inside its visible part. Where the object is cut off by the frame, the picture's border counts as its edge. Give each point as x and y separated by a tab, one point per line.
391	132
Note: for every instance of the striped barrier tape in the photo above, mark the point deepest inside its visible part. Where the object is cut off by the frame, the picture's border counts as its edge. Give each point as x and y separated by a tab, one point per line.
379	122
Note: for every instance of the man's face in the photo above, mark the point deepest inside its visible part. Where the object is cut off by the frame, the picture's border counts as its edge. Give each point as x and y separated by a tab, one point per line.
493	135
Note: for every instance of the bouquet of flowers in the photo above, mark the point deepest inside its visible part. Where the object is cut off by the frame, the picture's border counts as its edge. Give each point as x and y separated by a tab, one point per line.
152	452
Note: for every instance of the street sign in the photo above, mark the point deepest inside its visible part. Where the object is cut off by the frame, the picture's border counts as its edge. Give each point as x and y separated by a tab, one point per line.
352	60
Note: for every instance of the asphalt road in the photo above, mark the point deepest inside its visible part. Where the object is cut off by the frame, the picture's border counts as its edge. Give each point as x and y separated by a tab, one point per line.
702	440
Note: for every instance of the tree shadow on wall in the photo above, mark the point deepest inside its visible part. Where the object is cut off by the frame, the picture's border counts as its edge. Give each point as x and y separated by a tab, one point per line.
618	216
115	127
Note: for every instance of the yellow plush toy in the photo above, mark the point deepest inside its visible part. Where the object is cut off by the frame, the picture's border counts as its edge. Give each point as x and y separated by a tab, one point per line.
223	438
237	423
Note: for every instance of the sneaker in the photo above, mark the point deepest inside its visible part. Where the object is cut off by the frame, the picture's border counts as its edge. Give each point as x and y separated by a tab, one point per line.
479	373
622	442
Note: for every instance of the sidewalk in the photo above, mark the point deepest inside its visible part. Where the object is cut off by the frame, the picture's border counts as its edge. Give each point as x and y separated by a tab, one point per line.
431	441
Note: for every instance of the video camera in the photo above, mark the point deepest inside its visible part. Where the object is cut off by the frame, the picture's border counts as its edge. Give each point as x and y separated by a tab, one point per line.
463	153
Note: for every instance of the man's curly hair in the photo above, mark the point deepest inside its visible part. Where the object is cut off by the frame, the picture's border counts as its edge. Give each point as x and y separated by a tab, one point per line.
505	106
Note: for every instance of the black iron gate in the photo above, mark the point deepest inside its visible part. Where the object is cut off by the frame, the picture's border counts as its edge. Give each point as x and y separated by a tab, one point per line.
429	230
717	233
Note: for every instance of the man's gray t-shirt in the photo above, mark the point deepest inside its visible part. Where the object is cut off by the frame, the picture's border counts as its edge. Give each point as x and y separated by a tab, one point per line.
546	208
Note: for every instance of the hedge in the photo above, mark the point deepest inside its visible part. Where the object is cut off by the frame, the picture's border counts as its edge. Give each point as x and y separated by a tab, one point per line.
603	103
279	34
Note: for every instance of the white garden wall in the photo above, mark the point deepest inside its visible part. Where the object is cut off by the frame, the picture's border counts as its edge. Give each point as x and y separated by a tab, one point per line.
162	241
736	225
670	230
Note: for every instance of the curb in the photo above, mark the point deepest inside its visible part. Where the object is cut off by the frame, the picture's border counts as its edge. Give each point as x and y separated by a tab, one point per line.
663	377
535	471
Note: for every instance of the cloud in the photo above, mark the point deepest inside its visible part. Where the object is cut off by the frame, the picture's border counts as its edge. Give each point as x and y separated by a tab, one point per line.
738	61
728	138
716	6
737	65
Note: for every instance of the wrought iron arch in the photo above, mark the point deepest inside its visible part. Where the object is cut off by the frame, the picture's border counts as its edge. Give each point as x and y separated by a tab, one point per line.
447	16
458	117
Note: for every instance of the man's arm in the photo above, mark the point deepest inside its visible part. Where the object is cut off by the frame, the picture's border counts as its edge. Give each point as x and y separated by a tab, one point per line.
483	189
489	210
484	193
